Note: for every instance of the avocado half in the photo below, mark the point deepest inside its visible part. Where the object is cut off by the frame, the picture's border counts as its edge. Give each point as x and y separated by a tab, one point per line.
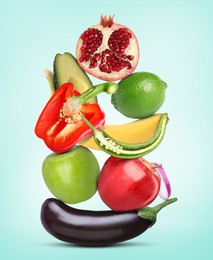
66	69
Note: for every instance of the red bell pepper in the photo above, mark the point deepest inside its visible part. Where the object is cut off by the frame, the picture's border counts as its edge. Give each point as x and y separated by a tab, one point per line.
60	124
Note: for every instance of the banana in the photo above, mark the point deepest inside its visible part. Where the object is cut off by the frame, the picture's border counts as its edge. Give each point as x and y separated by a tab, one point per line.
134	132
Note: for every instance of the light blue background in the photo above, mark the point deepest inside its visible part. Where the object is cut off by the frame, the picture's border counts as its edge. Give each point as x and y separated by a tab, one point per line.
176	40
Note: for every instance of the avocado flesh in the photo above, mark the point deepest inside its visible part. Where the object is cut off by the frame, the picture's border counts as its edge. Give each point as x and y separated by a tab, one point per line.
66	69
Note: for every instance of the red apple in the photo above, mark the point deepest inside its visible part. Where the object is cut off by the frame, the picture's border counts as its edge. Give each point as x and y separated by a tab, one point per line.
128	184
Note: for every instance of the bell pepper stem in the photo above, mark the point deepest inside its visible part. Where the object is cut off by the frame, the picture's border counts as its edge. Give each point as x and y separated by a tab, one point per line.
108	87
73	104
150	213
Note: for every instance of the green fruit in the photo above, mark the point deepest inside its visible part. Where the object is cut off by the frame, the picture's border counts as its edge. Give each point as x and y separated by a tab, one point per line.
139	95
71	176
67	69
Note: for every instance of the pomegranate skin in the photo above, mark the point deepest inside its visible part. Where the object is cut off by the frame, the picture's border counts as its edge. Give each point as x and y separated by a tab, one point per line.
108	51
128	184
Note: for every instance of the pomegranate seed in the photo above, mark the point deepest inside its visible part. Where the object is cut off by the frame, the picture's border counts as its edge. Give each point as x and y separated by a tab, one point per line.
103	67
97	57
130	57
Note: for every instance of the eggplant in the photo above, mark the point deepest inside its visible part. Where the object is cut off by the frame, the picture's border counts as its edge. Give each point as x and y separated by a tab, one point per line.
96	228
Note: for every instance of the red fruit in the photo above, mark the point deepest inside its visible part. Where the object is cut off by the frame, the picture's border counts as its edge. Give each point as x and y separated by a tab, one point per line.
108	51
128	184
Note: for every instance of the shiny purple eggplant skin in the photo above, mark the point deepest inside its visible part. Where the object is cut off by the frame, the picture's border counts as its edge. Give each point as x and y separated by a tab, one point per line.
90	228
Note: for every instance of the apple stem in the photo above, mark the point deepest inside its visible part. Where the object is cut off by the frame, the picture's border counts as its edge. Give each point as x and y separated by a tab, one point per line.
156	166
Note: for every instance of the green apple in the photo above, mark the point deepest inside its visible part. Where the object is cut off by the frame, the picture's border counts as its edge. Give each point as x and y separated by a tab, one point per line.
71	176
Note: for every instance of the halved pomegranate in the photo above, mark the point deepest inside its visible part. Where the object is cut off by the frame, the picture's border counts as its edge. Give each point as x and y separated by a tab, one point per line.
108	51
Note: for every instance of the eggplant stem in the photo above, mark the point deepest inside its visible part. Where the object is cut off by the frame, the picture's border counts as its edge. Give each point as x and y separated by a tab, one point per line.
150	213
165	203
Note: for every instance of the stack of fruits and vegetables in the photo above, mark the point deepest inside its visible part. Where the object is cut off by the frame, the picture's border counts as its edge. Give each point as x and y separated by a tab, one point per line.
72	125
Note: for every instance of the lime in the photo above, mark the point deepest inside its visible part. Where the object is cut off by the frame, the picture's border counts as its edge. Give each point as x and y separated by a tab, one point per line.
139	95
